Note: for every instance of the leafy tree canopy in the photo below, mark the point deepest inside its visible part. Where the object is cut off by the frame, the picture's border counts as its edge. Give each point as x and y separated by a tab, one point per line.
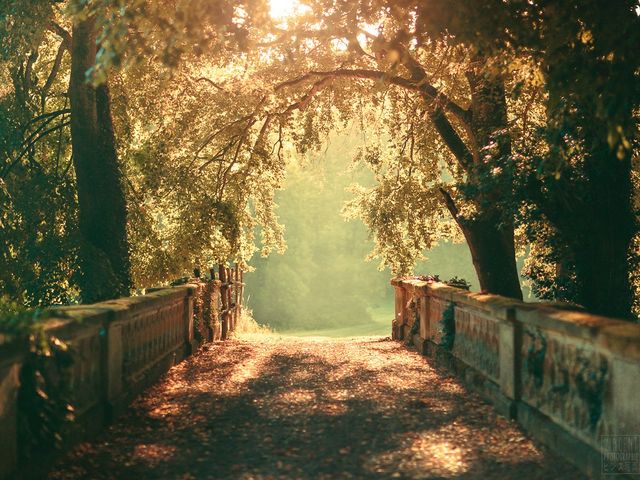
210	99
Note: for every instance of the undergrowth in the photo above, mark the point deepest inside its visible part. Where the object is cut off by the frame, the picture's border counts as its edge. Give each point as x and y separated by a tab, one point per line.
247	324
45	385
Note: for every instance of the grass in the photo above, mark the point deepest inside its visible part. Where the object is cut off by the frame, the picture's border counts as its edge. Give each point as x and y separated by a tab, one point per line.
380	325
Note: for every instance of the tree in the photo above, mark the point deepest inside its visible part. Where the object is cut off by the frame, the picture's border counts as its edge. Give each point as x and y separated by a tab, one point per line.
329	55
101	245
104	252
581	186
89	240
475	117
37	190
182	214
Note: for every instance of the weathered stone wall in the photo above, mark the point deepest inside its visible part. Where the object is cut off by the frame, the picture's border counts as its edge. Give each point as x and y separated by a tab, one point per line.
570	378
119	348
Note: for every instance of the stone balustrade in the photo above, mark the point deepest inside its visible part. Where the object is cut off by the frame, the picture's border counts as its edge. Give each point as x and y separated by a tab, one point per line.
119	347
569	377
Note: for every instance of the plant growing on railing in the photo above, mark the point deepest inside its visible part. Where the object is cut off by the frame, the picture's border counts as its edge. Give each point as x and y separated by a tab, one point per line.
248	324
458	283
448	327
429	278
43	398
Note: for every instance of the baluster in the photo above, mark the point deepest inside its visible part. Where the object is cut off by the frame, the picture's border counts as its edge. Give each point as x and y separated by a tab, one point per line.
223	295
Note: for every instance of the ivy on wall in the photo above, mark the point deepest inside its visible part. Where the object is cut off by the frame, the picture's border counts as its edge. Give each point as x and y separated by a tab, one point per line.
448	327
534	361
591	385
44	407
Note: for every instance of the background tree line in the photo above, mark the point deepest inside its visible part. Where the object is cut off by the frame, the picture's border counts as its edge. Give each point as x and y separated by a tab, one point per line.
322	282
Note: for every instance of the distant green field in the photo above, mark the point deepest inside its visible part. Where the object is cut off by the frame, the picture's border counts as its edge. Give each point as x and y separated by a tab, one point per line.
380	325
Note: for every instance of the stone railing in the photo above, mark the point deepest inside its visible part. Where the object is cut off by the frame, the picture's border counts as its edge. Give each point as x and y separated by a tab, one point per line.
119	348
570	378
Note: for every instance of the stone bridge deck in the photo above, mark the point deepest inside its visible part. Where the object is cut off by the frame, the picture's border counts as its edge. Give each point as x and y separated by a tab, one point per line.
262	407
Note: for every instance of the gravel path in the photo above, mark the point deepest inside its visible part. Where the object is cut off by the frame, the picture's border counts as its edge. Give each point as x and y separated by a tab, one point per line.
267	407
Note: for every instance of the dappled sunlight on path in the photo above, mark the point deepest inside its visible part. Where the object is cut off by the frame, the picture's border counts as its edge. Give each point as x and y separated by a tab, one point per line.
265	406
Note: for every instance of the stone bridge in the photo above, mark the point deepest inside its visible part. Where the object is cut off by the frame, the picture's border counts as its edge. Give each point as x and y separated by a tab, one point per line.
469	386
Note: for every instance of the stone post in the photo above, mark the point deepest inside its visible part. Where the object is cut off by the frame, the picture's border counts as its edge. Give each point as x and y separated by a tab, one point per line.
232	306
225	306
241	288
398	320
10	364
188	321
424	317
510	332
114	370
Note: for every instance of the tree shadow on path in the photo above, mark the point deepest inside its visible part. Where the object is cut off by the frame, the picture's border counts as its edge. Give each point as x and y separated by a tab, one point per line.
310	408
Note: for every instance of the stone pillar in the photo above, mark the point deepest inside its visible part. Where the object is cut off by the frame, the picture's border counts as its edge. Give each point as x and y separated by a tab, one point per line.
10	364
224	287
424	317
119	313
398	320
510	332
215	310
230	303
188	321
114	370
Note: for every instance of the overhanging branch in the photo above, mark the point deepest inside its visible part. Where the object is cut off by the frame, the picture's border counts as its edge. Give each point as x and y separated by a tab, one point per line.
449	202
441	103
424	88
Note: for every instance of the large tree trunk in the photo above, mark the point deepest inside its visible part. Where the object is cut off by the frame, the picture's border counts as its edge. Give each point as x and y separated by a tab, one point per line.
494	257
490	232
602	273
601	238
104	255
492	248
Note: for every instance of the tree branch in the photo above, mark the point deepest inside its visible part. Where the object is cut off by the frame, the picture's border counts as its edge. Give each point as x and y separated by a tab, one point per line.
424	88
28	70
450	203
446	130
210	82
62	33
48	119
32	143
306	98
46	115
451	138
53	74
219	155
